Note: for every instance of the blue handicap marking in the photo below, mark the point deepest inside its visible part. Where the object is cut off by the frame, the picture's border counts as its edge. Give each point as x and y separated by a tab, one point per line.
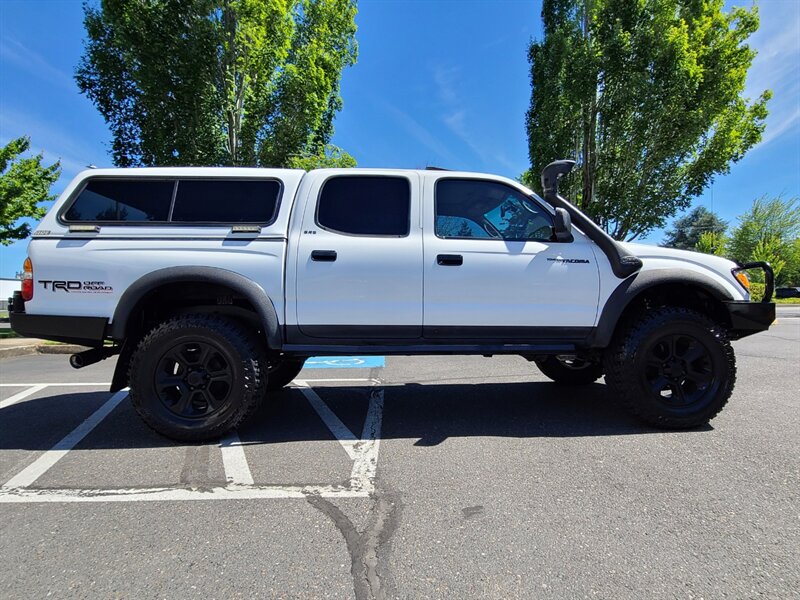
344	362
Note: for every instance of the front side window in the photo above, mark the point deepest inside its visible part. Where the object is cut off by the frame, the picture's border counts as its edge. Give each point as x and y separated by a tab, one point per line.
471	208
122	201
365	205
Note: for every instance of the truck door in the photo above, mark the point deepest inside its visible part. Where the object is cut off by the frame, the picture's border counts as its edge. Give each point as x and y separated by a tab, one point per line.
492	271
359	258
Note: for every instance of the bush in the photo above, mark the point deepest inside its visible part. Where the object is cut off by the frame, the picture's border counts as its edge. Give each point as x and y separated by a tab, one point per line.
756	291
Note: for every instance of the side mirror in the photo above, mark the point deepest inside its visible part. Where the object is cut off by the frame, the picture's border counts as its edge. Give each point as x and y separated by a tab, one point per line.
562	226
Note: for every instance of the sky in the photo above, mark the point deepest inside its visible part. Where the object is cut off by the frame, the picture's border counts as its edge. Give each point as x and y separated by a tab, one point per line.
442	83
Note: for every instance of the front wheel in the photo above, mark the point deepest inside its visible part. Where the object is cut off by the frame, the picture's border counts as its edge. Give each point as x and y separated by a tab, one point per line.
283	371
672	367
194	377
570	370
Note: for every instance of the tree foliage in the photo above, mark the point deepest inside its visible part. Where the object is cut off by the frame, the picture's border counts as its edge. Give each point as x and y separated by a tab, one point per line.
647	96
329	157
687	230
711	242
769	231
24	184
217	82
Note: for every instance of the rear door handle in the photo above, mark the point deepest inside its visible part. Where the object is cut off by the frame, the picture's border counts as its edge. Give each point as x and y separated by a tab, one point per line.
449	260
323	255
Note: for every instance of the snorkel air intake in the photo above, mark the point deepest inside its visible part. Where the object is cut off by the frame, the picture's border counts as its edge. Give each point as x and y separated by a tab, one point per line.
623	263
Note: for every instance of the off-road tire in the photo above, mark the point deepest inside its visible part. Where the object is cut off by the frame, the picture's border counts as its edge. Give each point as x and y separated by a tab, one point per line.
564	372
282	372
207	357
671	367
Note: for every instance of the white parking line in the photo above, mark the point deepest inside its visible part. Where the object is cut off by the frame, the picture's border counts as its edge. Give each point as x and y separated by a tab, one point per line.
21	395
107	383
237	471
42	464
365	466
364	453
254	492
340	431
337	379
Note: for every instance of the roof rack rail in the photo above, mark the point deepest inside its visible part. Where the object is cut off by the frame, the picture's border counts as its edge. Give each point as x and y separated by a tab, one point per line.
430	168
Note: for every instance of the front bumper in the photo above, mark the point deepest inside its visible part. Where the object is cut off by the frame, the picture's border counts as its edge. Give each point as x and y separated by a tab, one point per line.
84	331
747	318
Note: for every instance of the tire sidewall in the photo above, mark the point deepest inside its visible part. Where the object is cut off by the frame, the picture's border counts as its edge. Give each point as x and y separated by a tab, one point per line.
630	381
147	359
716	353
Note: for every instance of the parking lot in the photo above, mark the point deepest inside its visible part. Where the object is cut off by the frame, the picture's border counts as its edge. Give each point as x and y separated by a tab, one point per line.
403	477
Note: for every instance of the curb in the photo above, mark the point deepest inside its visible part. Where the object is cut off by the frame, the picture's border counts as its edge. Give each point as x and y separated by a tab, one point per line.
30	349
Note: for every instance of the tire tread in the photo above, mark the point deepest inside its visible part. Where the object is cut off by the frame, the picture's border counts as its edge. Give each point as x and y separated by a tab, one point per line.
620	376
254	365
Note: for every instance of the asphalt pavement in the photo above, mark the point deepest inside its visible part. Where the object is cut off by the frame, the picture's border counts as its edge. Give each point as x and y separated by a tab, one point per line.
427	477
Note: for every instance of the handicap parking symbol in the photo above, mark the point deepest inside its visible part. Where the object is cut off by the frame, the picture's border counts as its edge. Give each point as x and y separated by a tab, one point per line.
344	362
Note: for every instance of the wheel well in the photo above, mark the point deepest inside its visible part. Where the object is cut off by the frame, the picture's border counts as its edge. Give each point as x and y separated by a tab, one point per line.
171	299
681	295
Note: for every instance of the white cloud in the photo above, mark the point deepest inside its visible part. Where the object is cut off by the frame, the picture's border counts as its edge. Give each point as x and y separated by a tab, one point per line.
17	54
777	66
455	118
73	155
420	133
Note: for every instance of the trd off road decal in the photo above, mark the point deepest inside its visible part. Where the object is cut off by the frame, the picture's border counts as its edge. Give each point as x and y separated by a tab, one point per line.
77	287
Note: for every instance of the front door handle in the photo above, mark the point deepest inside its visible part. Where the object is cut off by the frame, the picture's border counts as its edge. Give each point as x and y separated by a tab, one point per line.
449	260
323	255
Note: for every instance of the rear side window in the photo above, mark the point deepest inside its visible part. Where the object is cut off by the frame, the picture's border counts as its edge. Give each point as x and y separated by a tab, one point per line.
120	200
231	201
365	205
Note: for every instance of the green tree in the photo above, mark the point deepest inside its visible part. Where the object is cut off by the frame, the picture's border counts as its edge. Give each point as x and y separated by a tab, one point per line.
329	157
647	96
686	231
791	272
217	82
24	184
769	231
711	242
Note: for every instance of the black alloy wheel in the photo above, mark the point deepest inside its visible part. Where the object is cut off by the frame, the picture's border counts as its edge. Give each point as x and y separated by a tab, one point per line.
679	370
671	367
194	377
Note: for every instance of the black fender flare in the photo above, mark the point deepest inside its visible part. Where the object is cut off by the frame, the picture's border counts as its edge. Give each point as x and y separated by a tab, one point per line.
240	284
632	287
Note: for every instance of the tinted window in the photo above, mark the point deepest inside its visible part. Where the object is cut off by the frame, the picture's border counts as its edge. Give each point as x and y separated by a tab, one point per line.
365	205
485	209
232	201
122	201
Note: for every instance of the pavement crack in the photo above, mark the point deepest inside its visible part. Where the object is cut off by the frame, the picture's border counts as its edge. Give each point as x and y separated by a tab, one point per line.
364	547
195	466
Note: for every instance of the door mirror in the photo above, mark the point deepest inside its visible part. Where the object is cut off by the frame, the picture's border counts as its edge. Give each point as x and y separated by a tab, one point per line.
562	226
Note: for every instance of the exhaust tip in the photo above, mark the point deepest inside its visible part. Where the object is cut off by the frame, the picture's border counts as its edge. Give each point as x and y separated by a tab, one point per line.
76	361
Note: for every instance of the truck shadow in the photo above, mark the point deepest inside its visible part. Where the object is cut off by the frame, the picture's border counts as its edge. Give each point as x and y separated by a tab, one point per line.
426	413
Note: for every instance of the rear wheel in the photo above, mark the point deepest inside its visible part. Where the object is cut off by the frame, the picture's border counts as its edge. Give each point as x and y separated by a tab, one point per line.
282	372
570	370
672	367
194	377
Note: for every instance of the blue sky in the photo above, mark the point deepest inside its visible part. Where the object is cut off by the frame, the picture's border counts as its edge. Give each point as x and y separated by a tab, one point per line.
437	82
